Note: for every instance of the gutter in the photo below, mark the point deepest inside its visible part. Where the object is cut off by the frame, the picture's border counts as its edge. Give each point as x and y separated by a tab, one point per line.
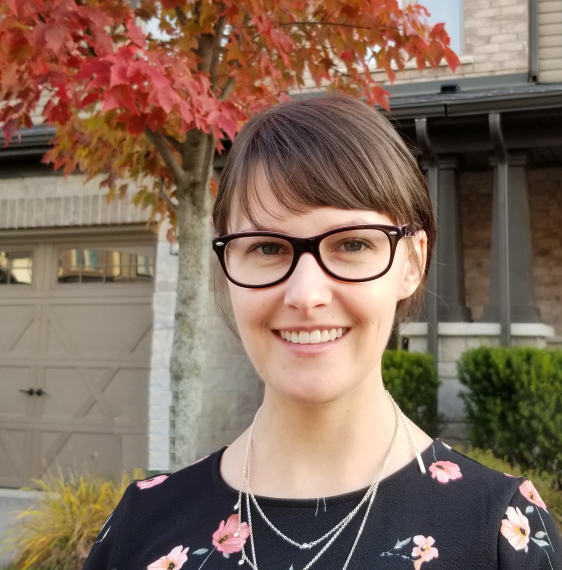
484	102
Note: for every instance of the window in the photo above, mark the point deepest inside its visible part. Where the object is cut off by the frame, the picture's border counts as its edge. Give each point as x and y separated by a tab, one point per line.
85	265
448	12
16	267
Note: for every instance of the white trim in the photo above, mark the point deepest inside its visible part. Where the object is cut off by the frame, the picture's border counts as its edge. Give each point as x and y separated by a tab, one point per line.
18	494
412	64
479	329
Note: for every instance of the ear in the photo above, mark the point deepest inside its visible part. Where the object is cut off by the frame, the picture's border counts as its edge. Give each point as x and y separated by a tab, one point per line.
416	251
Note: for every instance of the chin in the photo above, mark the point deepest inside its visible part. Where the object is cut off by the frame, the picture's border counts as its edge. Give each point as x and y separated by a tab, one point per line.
318	390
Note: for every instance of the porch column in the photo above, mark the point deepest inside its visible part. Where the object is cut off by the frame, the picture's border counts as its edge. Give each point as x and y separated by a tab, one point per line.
450	259
521	280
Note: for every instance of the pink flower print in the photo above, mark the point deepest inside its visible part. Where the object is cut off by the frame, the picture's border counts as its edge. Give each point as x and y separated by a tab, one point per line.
516	529
173	561
152	482
444	471
224	537
424	549
530	493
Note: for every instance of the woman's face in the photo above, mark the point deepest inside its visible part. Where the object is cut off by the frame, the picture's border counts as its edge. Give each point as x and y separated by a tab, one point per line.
310	300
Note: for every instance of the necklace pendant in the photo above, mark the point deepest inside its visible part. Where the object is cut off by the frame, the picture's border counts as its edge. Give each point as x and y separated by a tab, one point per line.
241	562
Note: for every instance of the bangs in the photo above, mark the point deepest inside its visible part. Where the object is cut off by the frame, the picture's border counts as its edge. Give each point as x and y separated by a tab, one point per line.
313	159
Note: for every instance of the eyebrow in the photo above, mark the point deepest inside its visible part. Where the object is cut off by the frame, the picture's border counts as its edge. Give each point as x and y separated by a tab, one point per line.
355	222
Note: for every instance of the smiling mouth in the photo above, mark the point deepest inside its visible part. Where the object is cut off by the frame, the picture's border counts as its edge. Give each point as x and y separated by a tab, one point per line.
313	337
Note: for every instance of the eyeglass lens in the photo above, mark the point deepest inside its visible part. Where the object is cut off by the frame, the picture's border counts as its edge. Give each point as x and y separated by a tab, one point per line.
352	254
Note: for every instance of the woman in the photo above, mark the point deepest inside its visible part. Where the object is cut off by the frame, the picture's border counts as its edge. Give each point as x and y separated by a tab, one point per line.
325	231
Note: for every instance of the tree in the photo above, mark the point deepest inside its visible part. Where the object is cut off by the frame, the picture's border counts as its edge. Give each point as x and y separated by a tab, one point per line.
152	109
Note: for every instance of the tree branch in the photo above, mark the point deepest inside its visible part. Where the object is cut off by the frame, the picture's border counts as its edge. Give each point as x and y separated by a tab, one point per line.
227	89
173	206
219	31
173	143
181	177
181	16
288	24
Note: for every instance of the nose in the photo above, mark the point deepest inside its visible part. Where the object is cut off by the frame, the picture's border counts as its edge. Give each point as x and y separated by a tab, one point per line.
308	287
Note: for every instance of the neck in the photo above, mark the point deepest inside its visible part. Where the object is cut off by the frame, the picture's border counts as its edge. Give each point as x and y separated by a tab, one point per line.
306	451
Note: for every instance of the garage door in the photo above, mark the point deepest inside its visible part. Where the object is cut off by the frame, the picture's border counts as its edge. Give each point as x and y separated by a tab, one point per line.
75	330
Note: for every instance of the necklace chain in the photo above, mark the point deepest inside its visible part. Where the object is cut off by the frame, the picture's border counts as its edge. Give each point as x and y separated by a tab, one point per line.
333	533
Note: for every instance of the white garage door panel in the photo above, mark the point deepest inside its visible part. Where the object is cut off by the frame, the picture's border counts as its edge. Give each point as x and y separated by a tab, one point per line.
14	403
80	452
18	331
66	394
98	327
86	345
13	446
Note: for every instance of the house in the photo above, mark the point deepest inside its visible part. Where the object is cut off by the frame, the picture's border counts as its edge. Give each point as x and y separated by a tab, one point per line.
87	292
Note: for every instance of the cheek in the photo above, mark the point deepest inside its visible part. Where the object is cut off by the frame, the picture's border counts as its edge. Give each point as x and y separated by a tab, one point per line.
252	309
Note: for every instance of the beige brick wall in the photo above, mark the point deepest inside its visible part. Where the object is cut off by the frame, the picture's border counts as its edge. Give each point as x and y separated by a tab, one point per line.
496	41
545	199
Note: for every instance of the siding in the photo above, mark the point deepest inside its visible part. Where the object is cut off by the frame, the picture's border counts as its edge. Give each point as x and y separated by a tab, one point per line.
550	41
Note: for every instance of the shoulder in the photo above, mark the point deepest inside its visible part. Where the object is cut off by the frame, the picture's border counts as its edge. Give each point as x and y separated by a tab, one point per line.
496	482
159	511
184	485
468	485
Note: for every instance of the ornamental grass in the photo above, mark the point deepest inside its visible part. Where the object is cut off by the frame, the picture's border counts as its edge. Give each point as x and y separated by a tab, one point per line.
59	529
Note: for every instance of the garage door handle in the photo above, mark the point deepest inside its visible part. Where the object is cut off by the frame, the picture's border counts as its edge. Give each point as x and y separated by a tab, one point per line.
31	391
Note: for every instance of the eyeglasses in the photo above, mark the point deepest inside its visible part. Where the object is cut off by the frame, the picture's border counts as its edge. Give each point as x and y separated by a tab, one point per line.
353	253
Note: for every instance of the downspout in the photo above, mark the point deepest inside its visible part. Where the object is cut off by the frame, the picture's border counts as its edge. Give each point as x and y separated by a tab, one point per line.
430	158
496	135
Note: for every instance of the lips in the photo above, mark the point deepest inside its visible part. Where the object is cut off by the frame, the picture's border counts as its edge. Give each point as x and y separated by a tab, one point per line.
316	336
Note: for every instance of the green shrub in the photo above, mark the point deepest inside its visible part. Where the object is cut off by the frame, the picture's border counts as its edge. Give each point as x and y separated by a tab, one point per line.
514	405
411	379
544	483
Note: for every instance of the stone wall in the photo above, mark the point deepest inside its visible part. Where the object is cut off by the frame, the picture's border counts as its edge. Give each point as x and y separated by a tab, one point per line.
545	199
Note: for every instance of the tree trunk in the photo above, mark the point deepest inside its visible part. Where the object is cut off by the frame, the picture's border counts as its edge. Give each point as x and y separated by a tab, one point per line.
188	359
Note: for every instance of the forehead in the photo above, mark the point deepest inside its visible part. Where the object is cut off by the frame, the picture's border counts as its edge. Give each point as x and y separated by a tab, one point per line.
270	215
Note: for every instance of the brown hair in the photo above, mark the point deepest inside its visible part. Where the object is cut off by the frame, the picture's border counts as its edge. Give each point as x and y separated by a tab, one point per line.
328	151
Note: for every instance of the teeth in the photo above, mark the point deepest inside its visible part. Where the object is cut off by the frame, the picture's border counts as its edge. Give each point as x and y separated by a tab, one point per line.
314	337
304	337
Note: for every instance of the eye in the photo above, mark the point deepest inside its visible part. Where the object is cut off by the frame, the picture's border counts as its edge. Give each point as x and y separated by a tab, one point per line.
354	245
268	248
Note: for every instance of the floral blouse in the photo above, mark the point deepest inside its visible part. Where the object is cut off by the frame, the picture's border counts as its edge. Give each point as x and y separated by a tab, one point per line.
459	515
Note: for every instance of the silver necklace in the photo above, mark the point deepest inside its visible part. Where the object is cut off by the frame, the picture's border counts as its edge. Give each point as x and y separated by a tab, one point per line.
339	527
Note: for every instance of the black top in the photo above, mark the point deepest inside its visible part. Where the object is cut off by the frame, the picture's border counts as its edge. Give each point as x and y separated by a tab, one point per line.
459	515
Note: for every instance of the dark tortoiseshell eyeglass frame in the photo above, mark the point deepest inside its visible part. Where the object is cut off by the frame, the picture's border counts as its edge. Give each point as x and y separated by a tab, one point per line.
311	245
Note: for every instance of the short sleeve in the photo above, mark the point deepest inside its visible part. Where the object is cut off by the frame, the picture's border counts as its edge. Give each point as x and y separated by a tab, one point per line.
528	536
104	549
